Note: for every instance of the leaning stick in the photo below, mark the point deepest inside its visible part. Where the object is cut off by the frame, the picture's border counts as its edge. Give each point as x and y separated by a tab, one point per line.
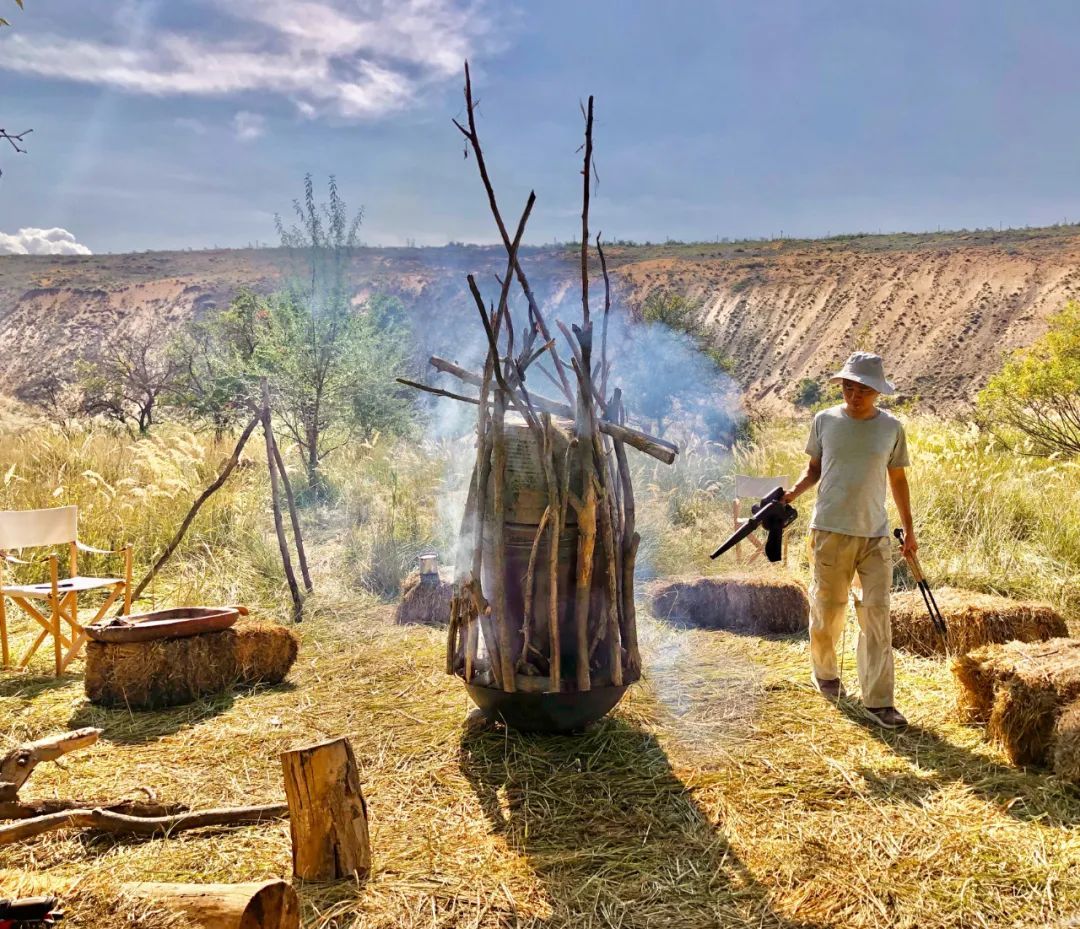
607	534
583	590
498	465
530	583
657	448
554	508
279	525
118	823
294	516
196	506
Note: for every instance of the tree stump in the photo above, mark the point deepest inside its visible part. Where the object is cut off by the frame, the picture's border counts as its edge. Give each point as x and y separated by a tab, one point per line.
264	905
327	813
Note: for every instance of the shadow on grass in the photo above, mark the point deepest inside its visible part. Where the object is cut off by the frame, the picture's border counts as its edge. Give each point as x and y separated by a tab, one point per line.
610	830
130	726
1025	794
28	685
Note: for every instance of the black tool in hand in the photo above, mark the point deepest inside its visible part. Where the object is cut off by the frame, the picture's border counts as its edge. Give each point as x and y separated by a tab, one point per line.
936	618
30	911
770	512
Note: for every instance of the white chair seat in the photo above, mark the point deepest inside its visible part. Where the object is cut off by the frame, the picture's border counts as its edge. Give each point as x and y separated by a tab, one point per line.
67	585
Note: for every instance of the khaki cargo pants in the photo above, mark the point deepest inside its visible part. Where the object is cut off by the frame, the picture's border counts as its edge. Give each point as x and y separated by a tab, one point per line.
835	559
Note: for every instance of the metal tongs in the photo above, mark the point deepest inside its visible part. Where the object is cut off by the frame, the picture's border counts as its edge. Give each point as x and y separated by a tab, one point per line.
936	619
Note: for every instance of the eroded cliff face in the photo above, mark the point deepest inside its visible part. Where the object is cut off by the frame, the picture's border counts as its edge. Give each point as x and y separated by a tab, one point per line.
942	308
943	317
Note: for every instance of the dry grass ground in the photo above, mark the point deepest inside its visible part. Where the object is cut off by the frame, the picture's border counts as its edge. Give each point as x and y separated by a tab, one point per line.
722	792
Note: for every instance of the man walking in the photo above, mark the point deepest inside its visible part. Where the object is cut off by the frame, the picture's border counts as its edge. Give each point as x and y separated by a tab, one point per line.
854	449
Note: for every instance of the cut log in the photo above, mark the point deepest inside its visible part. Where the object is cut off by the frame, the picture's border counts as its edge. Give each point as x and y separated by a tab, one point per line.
266	905
327	813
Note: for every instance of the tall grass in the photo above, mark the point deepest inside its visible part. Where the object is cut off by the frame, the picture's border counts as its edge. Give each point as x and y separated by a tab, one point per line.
987	519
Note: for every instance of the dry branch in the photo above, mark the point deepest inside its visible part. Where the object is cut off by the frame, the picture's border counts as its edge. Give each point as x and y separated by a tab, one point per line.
294	516
279	526
103	820
657	448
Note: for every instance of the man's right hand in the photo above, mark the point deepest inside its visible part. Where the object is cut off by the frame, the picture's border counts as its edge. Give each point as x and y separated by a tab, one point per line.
789	496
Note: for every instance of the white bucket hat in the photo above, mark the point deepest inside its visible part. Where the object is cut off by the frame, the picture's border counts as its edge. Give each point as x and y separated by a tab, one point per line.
864	368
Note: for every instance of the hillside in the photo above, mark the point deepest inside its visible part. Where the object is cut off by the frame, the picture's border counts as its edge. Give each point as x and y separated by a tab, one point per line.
941	307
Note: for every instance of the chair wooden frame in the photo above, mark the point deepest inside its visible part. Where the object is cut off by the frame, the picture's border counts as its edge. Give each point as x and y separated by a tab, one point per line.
60	617
754	487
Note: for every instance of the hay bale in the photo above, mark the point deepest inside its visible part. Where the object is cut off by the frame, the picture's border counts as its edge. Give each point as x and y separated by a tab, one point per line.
164	672
974	619
169	672
1065	749
748	604
428	604
264	652
1020	690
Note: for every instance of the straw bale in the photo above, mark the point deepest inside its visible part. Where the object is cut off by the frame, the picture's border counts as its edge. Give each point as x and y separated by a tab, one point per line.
427	604
168	672
264	652
163	672
1065	750
974	619
749	604
1019	689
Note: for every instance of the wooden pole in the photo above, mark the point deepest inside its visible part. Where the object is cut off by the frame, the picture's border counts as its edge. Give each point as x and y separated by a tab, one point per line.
279	526
264	905
195	507
587	172
294	516
327	812
498	531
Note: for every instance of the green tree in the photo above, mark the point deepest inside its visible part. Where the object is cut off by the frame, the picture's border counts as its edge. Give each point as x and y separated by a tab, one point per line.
1037	391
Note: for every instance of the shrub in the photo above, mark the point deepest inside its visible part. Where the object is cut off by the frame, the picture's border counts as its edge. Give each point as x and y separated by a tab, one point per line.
1037	392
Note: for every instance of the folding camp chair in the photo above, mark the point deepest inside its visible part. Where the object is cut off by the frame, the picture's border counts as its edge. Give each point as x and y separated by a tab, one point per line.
21	529
754	488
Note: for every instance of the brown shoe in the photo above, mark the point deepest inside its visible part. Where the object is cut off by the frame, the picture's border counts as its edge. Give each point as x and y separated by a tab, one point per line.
831	690
888	717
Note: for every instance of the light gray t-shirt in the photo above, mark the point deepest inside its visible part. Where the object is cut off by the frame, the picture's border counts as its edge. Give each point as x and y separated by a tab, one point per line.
855	455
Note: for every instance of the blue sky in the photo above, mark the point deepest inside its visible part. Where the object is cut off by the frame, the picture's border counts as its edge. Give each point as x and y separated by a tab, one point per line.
187	123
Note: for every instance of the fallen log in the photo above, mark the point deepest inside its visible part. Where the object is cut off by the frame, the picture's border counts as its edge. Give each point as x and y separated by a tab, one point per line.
660	449
28	809
264	905
103	820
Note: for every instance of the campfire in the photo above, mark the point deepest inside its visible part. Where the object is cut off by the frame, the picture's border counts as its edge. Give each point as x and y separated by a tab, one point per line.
543	599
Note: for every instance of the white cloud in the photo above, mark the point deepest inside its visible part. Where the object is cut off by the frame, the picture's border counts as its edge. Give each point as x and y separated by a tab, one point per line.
31	241
328	57
248	126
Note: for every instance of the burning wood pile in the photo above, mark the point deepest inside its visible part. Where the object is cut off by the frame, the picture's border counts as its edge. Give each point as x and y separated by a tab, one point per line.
544	587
